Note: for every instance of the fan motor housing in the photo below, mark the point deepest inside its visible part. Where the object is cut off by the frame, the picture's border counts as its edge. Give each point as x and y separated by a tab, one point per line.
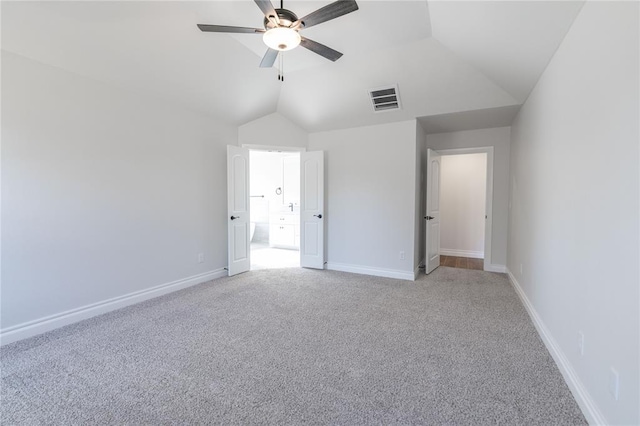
286	17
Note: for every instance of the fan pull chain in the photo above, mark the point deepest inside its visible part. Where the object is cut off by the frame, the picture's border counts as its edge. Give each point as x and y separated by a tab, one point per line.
281	70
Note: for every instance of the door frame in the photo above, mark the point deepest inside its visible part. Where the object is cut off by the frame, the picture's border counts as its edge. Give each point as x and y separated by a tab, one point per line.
488	224
254	147
270	148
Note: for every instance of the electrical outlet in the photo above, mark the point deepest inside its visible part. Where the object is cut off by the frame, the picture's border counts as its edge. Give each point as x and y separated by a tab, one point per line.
581	343
614	383
200	257
401	255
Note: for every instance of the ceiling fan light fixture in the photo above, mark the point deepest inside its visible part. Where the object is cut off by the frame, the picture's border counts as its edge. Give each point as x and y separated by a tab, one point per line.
281	39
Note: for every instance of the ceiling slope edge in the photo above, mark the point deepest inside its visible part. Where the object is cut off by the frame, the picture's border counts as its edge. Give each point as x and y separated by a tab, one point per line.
47	33
112	85
273	129
489	77
431	79
510	42
485	118
546	65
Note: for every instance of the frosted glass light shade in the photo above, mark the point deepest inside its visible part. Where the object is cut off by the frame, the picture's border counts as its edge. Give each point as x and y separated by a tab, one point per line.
281	39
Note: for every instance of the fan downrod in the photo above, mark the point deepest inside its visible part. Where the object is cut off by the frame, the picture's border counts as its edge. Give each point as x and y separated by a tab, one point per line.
286	17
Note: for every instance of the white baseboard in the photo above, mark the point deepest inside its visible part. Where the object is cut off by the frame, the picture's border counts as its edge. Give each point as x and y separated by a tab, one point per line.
416	272
496	268
462	253
42	325
366	270
583	398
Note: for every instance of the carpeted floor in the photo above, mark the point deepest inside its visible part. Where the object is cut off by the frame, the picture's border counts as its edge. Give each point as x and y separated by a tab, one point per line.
297	346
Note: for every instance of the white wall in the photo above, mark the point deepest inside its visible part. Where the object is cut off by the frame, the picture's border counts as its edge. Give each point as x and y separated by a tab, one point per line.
463	189
104	192
371	204
273	129
498	138
574	215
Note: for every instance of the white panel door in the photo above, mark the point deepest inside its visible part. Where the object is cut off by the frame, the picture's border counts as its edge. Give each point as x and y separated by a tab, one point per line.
312	209
433	211
238	209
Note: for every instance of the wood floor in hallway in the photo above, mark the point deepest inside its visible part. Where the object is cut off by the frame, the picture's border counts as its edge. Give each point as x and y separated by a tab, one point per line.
462	262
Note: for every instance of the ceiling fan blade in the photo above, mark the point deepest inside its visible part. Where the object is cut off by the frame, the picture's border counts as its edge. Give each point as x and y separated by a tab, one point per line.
329	12
269	58
320	49
267	8
227	29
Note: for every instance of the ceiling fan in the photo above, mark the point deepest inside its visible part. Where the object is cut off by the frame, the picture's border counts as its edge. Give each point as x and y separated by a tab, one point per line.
282	29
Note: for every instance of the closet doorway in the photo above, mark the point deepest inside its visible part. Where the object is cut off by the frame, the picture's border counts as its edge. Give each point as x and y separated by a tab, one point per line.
274	188
463	210
459	206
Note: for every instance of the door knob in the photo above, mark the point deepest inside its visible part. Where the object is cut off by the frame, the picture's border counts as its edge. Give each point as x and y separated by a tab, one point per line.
429	217
235	217
319	216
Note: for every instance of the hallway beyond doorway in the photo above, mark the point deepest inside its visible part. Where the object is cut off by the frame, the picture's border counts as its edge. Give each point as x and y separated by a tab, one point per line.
265	257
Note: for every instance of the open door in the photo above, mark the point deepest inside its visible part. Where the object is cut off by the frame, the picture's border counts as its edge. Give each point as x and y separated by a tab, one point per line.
433	211
312	209
238	209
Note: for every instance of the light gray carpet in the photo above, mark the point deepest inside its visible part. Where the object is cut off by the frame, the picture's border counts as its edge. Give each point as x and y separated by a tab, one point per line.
297	346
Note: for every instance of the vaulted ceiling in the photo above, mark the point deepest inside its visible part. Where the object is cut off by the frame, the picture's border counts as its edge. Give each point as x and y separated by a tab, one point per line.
447	57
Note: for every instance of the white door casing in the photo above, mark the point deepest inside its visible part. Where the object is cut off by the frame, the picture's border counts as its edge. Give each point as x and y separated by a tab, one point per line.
312	209
238	210
433	211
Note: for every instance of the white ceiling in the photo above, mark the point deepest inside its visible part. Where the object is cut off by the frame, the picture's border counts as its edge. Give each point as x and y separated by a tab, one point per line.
363	34
445	56
511	42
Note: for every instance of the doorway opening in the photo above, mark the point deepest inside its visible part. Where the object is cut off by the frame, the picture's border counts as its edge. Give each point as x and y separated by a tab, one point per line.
274	188
459	205
463	210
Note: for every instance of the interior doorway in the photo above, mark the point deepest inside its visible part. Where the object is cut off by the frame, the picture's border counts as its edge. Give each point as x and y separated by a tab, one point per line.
463	210
274	188
296	224
459	208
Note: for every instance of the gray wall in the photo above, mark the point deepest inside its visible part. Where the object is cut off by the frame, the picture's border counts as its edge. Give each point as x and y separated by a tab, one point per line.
104	192
498	138
574	196
371	204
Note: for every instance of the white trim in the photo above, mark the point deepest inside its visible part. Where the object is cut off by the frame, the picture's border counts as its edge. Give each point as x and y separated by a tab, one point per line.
495	268
366	270
254	147
416	272
583	398
488	226
462	253
51	322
